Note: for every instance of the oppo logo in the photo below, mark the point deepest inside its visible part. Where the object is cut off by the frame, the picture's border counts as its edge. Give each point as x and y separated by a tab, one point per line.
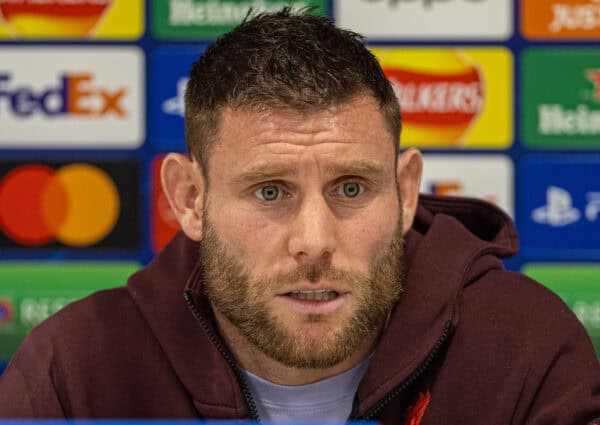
424	3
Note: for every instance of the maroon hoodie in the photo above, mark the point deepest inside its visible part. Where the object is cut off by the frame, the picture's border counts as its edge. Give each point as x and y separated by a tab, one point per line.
468	342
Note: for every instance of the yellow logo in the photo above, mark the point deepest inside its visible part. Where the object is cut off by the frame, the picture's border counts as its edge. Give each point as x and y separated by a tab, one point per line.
451	97
71	19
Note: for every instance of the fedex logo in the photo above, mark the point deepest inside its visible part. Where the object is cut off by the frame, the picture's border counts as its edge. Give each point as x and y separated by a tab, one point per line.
72	97
74	94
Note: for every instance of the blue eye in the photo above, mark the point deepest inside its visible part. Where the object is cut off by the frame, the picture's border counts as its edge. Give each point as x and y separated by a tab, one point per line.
351	189
267	193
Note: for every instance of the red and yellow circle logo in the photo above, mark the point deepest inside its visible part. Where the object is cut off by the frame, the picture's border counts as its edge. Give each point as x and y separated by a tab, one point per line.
77	204
63	17
452	97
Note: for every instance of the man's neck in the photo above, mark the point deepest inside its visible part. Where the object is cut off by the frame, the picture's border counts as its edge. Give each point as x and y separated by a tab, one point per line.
253	360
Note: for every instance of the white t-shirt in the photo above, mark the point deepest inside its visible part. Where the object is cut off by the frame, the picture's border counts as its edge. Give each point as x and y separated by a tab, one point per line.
327	400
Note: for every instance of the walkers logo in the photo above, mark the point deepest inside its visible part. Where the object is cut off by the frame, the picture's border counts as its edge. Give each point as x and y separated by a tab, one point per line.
71	97
487	177
577	285
164	222
207	19
427	19
33	291
69	19
560	207
566	114
560	19
76	205
169	80
452	98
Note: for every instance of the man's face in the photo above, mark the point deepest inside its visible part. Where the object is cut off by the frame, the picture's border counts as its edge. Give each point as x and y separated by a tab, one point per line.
302	231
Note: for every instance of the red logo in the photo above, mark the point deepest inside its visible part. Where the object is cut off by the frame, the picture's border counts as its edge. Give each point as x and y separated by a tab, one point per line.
164	222
434	99
6	311
594	76
415	413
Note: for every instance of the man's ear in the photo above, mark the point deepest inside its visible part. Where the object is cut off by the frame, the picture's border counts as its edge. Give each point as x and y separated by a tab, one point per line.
409	168
183	184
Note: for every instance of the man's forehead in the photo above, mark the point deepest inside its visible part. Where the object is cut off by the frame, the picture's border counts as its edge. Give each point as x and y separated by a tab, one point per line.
358	120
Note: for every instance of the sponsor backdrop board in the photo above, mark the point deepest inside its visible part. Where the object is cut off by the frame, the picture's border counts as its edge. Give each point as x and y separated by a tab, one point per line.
578	285
91	98
30	292
72	97
70	205
565	114
559	207
71	19
560	19
427	19
487	177
207	19
452	98
170	68
164	222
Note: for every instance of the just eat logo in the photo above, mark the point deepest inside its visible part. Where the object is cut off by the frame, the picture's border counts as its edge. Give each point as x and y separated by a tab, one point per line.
72	94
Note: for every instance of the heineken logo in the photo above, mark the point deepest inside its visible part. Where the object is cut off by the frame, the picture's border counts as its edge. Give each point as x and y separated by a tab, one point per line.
183	19
581	120
556	119
562	108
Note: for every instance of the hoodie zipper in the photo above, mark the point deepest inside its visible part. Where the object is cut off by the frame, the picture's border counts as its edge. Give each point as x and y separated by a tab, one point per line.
375	410
250	404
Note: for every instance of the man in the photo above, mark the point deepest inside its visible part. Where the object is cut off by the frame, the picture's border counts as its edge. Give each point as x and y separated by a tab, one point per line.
310	281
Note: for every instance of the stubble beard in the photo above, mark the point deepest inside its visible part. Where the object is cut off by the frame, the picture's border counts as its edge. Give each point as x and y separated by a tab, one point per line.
240	299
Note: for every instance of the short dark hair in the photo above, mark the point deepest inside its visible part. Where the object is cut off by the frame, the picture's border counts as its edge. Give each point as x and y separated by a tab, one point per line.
287	60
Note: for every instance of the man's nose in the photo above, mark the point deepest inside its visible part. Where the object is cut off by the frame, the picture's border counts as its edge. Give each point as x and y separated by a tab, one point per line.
313	231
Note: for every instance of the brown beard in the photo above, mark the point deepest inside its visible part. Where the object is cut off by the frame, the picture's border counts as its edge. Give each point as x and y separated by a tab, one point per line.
241	300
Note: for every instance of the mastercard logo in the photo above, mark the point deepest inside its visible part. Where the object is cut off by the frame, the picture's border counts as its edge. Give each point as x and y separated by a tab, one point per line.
77	205
70	18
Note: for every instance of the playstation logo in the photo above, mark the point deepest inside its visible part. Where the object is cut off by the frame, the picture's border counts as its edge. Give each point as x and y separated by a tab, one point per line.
558	211
176	105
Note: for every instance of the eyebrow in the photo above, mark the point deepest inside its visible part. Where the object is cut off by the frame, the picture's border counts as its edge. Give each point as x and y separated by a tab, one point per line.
271	172
357	167
264	172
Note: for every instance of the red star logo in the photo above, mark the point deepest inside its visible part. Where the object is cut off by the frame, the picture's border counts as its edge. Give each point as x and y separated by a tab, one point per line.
415	413
594	76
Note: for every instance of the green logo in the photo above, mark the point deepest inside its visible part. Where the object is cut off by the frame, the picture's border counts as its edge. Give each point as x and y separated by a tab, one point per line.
207	19
30	292
578	285
561	98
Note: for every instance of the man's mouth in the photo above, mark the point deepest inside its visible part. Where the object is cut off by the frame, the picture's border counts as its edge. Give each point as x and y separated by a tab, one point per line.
316	295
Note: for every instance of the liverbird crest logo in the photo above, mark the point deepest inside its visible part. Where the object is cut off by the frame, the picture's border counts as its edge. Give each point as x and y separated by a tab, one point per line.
414	414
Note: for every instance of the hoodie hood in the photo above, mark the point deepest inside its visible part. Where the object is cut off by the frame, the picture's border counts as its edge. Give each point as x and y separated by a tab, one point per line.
452	242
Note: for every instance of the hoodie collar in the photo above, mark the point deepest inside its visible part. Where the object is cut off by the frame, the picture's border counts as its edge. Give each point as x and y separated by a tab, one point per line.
452	241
